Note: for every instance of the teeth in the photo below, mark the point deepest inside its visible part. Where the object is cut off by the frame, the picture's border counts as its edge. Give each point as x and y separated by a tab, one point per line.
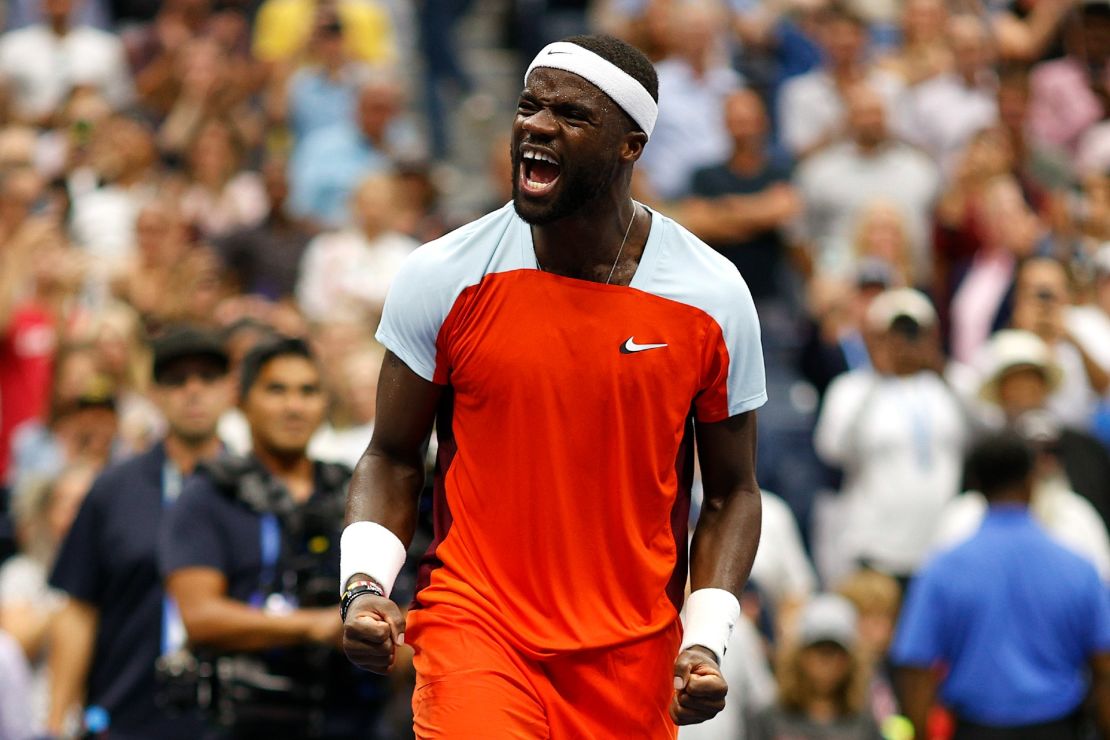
540	156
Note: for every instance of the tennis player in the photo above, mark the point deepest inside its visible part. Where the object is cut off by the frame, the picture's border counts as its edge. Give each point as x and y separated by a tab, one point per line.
569	348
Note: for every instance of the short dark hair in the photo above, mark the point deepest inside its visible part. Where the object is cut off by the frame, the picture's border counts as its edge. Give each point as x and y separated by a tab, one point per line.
623	55
265	352
1000	463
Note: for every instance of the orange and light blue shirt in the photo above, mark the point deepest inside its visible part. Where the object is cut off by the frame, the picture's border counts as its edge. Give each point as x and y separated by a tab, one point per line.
566	453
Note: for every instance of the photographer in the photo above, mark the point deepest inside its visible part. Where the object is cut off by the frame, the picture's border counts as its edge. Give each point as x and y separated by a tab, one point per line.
251	556
1042	297
898	432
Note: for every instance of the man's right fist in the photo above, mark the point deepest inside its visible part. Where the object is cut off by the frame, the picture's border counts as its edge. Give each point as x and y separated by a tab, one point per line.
374	628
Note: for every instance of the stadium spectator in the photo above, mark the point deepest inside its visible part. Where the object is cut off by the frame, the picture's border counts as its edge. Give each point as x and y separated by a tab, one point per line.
324	90
1014	619
1020	380
29	607
121	176
742	205
694	81
960	99
898	432
264	259
924	52
350	422
1042	295
345	274
813	107
881	243
877	599
115	621
47	60
982	300
328	164
283	28
822	680
837	182
220	197
241	556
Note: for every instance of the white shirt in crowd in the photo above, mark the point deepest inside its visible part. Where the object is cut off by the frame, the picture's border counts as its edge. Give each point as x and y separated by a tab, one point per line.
1090	326
43	68
812	108
15	691
690	131
900	442
1066	515
781	569
343	446
838	183
946	113
344	275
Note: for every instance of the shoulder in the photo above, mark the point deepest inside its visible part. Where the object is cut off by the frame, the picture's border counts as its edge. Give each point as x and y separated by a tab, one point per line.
466	254
125	474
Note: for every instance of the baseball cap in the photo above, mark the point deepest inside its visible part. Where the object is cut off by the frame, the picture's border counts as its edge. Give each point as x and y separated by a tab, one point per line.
828	618
1011	349
186	341
892	304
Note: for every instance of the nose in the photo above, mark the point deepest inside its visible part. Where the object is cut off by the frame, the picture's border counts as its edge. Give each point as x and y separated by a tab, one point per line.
541	123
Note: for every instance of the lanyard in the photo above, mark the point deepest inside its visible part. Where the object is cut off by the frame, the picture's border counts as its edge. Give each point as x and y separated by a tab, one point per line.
269	540
173	629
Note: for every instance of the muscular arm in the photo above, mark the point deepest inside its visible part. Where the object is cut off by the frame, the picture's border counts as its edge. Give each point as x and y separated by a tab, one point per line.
71	648
214	620
388	478
727	533
384	489
722	552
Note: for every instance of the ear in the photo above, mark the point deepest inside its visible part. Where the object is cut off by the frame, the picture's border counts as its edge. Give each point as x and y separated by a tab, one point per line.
633	146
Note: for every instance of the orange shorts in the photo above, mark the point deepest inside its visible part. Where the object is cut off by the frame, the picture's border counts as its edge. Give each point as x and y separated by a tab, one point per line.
470	683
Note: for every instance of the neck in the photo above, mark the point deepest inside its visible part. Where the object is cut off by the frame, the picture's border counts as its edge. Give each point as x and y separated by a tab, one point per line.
747	157
372	231
59	25
1009	498
185	454
586	243
294	469
822	710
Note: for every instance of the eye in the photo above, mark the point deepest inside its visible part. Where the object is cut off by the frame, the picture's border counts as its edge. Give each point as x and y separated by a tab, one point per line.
526	106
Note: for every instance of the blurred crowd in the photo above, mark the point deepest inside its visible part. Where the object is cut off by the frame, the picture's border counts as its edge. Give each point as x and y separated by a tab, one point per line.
917	193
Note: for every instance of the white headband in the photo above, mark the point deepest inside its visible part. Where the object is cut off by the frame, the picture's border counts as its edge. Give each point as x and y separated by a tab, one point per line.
625	91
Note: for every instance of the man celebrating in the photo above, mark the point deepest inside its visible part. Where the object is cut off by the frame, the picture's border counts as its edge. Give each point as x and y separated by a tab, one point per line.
569	348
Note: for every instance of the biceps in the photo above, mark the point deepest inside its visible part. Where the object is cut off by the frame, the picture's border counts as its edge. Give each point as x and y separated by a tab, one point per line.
196	589
406	409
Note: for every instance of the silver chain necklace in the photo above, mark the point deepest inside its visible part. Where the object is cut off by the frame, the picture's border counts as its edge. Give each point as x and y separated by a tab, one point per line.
620	251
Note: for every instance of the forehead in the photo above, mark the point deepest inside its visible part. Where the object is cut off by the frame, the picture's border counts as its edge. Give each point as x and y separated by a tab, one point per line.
557	86
290	370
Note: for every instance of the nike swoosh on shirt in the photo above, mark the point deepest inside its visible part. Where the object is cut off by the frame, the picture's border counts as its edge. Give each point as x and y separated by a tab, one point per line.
630	346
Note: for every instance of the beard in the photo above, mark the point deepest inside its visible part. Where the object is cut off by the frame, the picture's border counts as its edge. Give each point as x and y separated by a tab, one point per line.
578	185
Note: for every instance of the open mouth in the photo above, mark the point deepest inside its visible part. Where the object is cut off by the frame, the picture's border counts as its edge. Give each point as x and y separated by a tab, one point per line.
538	172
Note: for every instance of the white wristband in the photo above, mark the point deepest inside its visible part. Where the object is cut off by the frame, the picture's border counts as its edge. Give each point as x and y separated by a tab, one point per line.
370	548
711	614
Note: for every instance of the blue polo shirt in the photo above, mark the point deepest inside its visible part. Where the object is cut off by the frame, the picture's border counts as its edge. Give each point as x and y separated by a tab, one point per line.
109	559
1014	616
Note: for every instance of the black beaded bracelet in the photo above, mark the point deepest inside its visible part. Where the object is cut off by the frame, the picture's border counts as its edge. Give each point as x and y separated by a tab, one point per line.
356	589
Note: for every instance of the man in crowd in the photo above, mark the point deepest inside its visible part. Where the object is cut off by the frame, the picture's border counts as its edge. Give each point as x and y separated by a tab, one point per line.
250	556
567	338
1014	618
117	620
